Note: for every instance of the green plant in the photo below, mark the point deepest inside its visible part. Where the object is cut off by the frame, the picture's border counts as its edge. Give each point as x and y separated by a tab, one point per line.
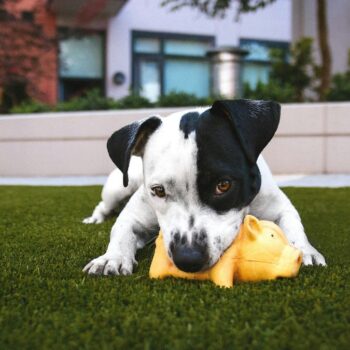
30	107
290	79
134	101
269	91
91	100
340	86
179	99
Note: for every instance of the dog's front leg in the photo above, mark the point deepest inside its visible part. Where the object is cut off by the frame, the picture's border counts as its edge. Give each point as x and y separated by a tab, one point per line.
134	227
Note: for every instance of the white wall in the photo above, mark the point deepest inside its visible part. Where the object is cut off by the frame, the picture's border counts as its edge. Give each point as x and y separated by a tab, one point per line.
311	138
271	23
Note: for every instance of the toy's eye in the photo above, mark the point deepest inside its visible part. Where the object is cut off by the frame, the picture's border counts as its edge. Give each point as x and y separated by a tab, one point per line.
223	186
158	190
272	235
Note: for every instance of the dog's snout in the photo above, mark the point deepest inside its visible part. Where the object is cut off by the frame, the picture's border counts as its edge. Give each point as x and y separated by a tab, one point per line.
189	258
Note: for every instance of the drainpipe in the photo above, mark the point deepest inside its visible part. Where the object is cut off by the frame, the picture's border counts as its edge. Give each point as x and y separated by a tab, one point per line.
226	65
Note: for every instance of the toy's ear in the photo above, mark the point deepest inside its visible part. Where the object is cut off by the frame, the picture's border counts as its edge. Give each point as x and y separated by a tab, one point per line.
254	122
252	227
130	140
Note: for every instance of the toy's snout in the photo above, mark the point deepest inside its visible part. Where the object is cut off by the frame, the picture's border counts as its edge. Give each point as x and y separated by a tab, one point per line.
289	262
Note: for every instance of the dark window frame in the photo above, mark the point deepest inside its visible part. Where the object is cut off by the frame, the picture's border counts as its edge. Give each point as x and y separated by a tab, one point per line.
162	56
67	32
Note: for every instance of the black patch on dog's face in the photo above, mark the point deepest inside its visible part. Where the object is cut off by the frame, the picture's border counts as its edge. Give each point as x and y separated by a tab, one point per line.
230	137
188	123
220	157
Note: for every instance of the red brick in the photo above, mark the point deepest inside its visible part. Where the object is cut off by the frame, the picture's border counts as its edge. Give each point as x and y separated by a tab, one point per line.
29	49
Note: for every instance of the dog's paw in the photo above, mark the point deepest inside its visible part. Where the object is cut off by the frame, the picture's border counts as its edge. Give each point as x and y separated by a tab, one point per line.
110	265
94	219
311	256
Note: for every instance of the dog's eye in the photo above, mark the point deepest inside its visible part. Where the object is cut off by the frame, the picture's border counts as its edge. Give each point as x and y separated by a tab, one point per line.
222	187
158	190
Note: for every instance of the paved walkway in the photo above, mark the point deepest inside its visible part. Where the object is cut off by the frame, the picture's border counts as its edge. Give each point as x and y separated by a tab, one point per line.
331	180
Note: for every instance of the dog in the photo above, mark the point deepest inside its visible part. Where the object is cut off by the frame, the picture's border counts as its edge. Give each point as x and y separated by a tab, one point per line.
194	175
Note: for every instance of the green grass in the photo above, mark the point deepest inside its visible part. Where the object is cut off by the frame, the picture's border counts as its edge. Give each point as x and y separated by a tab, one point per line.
46	302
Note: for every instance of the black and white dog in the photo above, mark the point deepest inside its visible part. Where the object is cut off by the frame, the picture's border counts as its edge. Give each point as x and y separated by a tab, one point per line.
197	175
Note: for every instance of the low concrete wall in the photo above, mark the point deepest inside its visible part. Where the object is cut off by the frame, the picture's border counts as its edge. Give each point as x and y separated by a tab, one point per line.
311	138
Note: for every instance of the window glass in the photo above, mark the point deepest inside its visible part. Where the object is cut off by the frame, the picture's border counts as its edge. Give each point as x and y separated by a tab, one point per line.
257	51
186	47
149	80
147	45
81	57
254	72
260	50
187	76
257	64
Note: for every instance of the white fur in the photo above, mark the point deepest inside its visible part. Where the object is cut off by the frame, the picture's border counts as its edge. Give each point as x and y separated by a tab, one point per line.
170	159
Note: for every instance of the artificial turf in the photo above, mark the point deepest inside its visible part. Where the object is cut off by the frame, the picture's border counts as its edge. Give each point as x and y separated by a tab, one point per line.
46	302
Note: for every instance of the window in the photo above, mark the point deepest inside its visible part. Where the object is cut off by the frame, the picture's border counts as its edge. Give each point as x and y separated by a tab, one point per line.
81	64
257	64
163	63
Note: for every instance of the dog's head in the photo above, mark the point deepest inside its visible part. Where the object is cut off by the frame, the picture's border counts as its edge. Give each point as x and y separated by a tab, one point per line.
200	173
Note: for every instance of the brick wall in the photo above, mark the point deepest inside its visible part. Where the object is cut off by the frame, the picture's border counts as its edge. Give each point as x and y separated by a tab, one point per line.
28	51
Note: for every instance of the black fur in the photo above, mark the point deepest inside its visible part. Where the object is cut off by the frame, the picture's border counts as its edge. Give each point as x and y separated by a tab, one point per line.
130	139
230	136
254	122
188	123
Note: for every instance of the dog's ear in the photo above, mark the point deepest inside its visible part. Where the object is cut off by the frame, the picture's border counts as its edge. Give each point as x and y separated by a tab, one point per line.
254	122
130	140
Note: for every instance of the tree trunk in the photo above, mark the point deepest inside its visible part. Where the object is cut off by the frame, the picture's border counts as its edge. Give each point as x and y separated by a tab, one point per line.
322	27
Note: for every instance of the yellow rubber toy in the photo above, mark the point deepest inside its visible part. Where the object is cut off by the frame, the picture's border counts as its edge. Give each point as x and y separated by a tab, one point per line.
259	252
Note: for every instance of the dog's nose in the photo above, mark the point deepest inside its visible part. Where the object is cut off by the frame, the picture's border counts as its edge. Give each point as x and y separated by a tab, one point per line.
189	258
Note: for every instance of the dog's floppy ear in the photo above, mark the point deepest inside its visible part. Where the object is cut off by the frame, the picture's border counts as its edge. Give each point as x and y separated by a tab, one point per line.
254	122
130	140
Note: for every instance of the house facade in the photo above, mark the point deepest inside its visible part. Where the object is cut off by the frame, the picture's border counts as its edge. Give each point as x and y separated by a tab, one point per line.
118	46
159	51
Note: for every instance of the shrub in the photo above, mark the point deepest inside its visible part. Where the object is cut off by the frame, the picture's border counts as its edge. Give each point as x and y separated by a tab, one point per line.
30	107
290	80
134	101
270	91
182	99
92	100
177	99
340	86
